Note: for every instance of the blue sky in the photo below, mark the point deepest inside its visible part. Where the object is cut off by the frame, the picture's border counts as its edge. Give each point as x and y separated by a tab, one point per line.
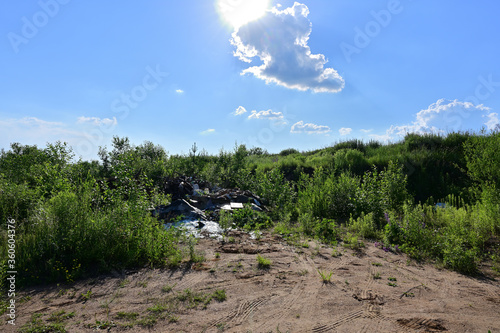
302	75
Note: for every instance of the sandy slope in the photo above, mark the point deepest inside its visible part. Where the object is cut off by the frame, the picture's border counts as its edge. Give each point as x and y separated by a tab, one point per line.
288	297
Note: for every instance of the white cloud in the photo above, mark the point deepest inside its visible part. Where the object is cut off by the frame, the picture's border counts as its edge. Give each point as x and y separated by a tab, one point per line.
32	130
31	125
309	128
269	114
279	39
208	131
382	138
179	91
366	130
98	121
239	111
345	131
493	121
442	117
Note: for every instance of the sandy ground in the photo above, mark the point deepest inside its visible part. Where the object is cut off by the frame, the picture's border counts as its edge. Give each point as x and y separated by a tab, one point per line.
289	296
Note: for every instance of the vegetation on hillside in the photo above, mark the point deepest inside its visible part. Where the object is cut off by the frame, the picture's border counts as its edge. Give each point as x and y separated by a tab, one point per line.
78	217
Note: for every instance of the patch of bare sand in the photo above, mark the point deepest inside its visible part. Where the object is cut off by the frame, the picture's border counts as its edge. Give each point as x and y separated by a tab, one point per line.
290	296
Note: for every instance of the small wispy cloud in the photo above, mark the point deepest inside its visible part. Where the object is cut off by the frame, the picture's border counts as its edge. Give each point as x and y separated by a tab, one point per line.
36	130
179	91
269	114
239	111
208	131
345	131
366	130
309	128
97	121
493	121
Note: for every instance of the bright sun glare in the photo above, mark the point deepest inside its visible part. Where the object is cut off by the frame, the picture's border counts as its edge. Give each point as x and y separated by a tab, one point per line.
240	12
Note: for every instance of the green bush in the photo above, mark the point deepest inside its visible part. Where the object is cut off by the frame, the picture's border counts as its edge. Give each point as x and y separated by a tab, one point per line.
351	160
246	218
65	238
326	230
365	226
327	196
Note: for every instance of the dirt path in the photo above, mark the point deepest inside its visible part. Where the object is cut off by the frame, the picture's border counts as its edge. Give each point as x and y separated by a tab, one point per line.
370	291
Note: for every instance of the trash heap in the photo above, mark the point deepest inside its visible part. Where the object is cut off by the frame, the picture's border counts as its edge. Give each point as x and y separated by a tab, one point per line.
196	205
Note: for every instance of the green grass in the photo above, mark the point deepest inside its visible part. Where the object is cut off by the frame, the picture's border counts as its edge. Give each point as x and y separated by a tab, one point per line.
263	263
86	296
167	288
325	276
36	325
219	295
127	315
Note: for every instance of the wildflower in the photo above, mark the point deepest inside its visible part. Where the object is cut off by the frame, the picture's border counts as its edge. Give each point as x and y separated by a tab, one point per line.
387	217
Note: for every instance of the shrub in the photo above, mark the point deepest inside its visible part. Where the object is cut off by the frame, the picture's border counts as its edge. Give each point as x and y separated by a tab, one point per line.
365	226
66	238
350	160
326	230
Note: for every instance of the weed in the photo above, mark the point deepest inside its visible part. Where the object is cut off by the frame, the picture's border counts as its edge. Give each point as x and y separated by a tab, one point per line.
376	276
325	277
336	253
86	296
158	308
193	299
127	315
392	284
351	241
102	325
167	288
194	256
62	292
142	284
263	263
148	321
376	264
36	325
219	295
124	283
217	255
60	316
24	299
220	327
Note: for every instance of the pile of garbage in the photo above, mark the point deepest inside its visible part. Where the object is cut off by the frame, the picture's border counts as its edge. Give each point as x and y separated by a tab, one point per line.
196	205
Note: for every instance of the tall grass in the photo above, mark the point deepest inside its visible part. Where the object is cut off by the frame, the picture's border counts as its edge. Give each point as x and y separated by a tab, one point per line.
78	217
